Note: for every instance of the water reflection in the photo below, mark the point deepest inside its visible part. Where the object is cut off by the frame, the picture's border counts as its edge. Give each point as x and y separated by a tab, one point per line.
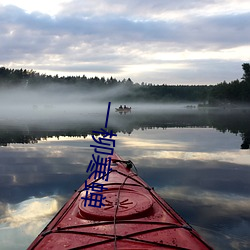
204	177
31	131
193	161
33	209
20	221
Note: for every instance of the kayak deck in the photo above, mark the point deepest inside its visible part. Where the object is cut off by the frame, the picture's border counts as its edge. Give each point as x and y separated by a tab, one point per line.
134	217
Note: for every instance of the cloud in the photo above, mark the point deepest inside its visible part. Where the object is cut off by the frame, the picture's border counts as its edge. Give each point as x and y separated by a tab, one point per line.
95	38
147	9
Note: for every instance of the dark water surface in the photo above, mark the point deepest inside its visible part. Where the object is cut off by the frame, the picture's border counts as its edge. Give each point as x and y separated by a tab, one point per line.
193	158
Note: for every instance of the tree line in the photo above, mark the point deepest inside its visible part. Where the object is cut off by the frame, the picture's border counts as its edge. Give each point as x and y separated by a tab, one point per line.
236	91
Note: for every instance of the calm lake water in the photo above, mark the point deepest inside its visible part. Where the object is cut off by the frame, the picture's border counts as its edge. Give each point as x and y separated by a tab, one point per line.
197	160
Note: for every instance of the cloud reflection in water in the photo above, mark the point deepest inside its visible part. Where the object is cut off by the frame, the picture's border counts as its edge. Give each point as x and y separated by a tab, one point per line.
199	171
25	220
201	174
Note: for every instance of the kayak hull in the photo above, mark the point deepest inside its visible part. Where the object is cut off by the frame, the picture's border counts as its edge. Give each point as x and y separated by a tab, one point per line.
134	217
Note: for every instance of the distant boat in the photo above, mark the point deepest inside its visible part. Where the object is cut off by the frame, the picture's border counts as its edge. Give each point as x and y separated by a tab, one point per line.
125	110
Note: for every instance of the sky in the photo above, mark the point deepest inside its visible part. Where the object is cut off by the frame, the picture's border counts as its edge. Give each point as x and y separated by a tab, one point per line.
152	41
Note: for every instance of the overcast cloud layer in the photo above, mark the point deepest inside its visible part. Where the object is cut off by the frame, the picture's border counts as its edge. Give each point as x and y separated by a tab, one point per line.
160	41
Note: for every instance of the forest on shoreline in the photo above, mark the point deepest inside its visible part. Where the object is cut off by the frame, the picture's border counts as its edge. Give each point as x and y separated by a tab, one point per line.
234	92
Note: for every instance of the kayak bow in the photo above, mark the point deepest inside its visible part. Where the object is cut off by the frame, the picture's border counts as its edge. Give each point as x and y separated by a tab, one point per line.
134	217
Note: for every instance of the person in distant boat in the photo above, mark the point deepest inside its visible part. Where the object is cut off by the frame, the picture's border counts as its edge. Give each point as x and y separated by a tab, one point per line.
120	107
125	106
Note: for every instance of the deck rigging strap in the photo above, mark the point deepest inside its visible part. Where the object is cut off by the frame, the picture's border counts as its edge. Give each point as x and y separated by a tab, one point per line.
130	174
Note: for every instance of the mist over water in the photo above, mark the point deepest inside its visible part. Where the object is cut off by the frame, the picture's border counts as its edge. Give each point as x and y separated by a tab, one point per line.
191	156
60	102
47	103
60	109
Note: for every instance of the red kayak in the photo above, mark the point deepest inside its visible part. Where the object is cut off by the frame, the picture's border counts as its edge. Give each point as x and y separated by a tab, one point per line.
131	215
